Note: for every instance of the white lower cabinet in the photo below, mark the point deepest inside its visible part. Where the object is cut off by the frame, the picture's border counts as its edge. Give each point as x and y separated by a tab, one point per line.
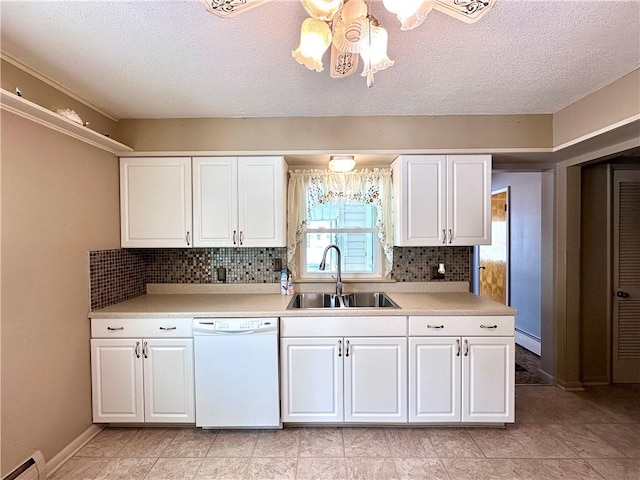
467	379
344	379
142	379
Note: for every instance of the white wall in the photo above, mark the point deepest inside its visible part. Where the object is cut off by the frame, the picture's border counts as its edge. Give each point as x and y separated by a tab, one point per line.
526	246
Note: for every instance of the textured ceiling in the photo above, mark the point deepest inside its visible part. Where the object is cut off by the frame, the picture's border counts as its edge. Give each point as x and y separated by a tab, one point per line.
154	59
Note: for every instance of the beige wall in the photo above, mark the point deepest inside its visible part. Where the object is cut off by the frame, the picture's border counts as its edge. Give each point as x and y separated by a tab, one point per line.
49	97
614	103
350	134
59	200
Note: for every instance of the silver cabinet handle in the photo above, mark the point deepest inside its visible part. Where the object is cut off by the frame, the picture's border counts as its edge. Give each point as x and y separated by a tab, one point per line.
241	237
167	328
137	350
444	236
339	348
491	327
188	238
435	326
234	237
466	348
113	329
458	347
450	236
346	352
145	350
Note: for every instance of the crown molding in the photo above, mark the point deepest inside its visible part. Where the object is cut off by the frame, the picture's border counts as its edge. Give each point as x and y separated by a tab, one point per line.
31	111
53	83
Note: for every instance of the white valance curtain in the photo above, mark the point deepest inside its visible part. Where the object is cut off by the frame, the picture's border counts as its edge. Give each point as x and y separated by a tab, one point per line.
308	188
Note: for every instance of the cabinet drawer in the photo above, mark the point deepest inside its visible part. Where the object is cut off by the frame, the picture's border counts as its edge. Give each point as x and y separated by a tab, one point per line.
468	325
140	327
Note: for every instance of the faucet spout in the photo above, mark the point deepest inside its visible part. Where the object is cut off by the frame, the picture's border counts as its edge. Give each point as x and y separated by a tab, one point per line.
323	265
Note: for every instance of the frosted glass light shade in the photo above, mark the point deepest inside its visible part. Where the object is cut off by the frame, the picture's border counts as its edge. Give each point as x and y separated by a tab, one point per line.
374	54
315	38
322	9
341	163
410	13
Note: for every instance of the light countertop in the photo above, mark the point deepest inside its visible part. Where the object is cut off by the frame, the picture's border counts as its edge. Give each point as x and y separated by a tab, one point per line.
266	303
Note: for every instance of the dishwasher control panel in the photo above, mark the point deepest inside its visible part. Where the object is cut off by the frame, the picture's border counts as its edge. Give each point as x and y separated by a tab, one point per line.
234	325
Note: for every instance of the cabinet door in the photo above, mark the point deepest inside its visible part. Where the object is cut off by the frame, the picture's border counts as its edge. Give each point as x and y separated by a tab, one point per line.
469	200
312	379
434	379
116	380
215	205
261	201
419	200
155	202
168	380
488	379
375	380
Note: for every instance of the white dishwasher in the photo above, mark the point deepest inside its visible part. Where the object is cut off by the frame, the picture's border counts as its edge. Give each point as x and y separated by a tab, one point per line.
236	372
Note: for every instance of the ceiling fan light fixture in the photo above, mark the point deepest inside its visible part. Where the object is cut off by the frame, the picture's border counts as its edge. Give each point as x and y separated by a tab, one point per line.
315	38
374	54
341	163
410	13
322	9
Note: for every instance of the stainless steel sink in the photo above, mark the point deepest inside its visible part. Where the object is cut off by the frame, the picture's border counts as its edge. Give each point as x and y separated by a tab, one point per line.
350	300
368	300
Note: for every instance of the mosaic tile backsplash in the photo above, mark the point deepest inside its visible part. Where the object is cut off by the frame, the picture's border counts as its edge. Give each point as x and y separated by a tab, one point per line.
121	274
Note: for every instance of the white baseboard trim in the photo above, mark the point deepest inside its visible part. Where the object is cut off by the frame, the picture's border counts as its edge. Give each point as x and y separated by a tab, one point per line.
527	341
70	450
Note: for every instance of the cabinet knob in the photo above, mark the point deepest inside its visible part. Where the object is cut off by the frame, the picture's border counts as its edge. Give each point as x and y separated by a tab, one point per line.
621	294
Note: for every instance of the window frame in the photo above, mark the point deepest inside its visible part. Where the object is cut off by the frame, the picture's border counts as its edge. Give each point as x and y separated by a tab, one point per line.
378	255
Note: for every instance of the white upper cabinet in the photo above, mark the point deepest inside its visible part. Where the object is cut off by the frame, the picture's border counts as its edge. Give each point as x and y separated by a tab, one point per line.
155	202
239	201
442	200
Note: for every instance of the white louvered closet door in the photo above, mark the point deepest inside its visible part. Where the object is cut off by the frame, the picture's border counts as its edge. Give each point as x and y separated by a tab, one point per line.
626	276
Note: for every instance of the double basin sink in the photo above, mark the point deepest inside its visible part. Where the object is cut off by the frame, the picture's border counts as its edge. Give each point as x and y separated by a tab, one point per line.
304	301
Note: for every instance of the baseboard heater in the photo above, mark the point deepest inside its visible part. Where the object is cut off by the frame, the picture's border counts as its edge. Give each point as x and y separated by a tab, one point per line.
31	469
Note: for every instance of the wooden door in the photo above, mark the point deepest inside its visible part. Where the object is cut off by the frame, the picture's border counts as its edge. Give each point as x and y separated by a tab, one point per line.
311	378
494	258
626	277
375	375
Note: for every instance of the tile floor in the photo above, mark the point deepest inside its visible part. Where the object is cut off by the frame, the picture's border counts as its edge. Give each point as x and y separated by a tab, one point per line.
593	434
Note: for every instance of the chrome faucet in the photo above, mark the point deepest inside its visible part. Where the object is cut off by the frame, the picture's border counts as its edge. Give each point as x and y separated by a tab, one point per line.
323	264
